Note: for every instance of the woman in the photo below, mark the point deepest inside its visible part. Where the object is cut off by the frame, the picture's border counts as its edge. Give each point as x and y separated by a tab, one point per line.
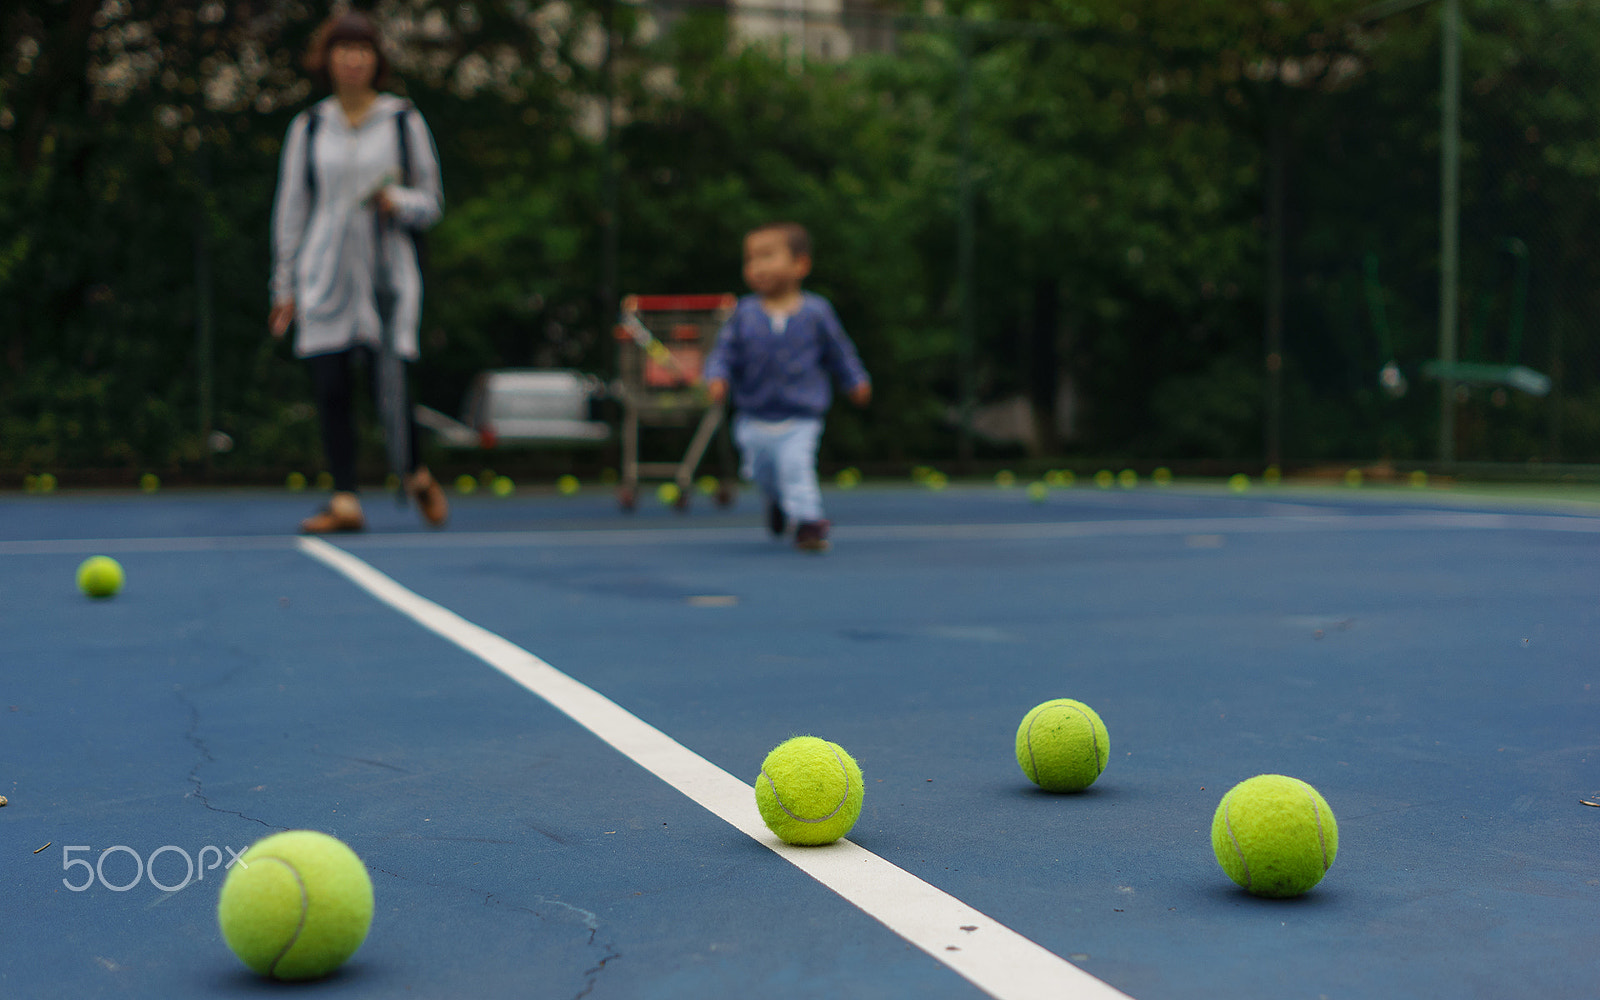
359	177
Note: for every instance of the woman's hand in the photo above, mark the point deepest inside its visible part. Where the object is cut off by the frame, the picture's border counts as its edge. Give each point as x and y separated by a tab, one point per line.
383	203
279	319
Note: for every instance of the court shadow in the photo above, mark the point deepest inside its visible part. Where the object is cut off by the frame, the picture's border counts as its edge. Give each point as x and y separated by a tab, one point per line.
241	981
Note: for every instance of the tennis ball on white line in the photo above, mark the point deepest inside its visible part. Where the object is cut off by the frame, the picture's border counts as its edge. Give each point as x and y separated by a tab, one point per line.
809	791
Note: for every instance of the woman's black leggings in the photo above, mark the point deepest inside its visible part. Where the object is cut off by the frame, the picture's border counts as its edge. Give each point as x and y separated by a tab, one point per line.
333	386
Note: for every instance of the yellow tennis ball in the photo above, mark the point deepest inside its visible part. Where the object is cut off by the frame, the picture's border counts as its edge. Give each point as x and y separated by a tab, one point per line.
503	486
849	478
1062	746
1274	835
1127	479
1005	479
1104	479
296	905
1239	482
1162	476
707	485
1037	491
668	493
100	576
1352	478
809	791
295	482
465	484
149	482
568	485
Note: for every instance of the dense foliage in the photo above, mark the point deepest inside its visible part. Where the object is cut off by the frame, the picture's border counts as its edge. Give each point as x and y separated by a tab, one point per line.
1117	153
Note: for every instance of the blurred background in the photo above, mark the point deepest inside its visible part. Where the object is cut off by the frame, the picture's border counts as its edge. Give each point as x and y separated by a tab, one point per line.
1206	234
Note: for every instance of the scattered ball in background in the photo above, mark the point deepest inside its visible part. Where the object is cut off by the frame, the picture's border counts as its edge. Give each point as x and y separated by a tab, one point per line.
296	905
295	482
486	479
1352	478
503	486
466	485
1274	835
920	473
568	485
44	482
1104	479
1060	478
149	482
324	480
1037	492
936	481
1062	746
1419	480
1272	475
100	576
848	479
1162	476
809	791
1005	479
707	485
668	493
1127	479
1239	482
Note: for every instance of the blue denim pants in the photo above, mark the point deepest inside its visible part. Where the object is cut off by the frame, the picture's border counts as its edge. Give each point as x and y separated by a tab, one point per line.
780	457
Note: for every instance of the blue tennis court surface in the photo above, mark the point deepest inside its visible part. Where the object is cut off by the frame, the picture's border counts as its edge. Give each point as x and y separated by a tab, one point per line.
1426	661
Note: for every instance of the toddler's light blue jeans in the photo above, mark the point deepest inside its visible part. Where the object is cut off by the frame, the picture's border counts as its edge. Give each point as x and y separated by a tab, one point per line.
780	457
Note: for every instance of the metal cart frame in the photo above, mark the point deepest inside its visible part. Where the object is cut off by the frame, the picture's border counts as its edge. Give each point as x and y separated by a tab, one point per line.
662	343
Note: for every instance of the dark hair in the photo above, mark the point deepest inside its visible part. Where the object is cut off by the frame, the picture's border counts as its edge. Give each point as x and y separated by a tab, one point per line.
794	234
351	26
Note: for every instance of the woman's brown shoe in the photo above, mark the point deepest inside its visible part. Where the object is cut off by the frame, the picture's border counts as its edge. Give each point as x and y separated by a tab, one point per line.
430	497
343	513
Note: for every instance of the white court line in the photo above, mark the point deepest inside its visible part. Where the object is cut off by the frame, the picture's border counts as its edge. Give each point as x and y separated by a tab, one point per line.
1031	531
990	955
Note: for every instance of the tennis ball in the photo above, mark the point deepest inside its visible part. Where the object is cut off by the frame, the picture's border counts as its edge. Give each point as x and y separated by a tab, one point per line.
1005	479
1418	479
1272	475
1162	476
295	482
503	486
466	485
849	478
1104	479
149	482
1274	835
668	493
296	905
1062	745
100	576
707	485
324	480
1127	479
1037	491
936	481
1060	477
1352	478
568	485
1239	482
809	791
47	482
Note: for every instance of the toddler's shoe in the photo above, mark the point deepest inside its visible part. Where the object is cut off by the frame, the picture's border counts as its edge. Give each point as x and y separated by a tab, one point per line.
811	536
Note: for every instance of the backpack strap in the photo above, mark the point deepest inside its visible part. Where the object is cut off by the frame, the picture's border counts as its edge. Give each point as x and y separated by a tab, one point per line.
312	119
405	145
